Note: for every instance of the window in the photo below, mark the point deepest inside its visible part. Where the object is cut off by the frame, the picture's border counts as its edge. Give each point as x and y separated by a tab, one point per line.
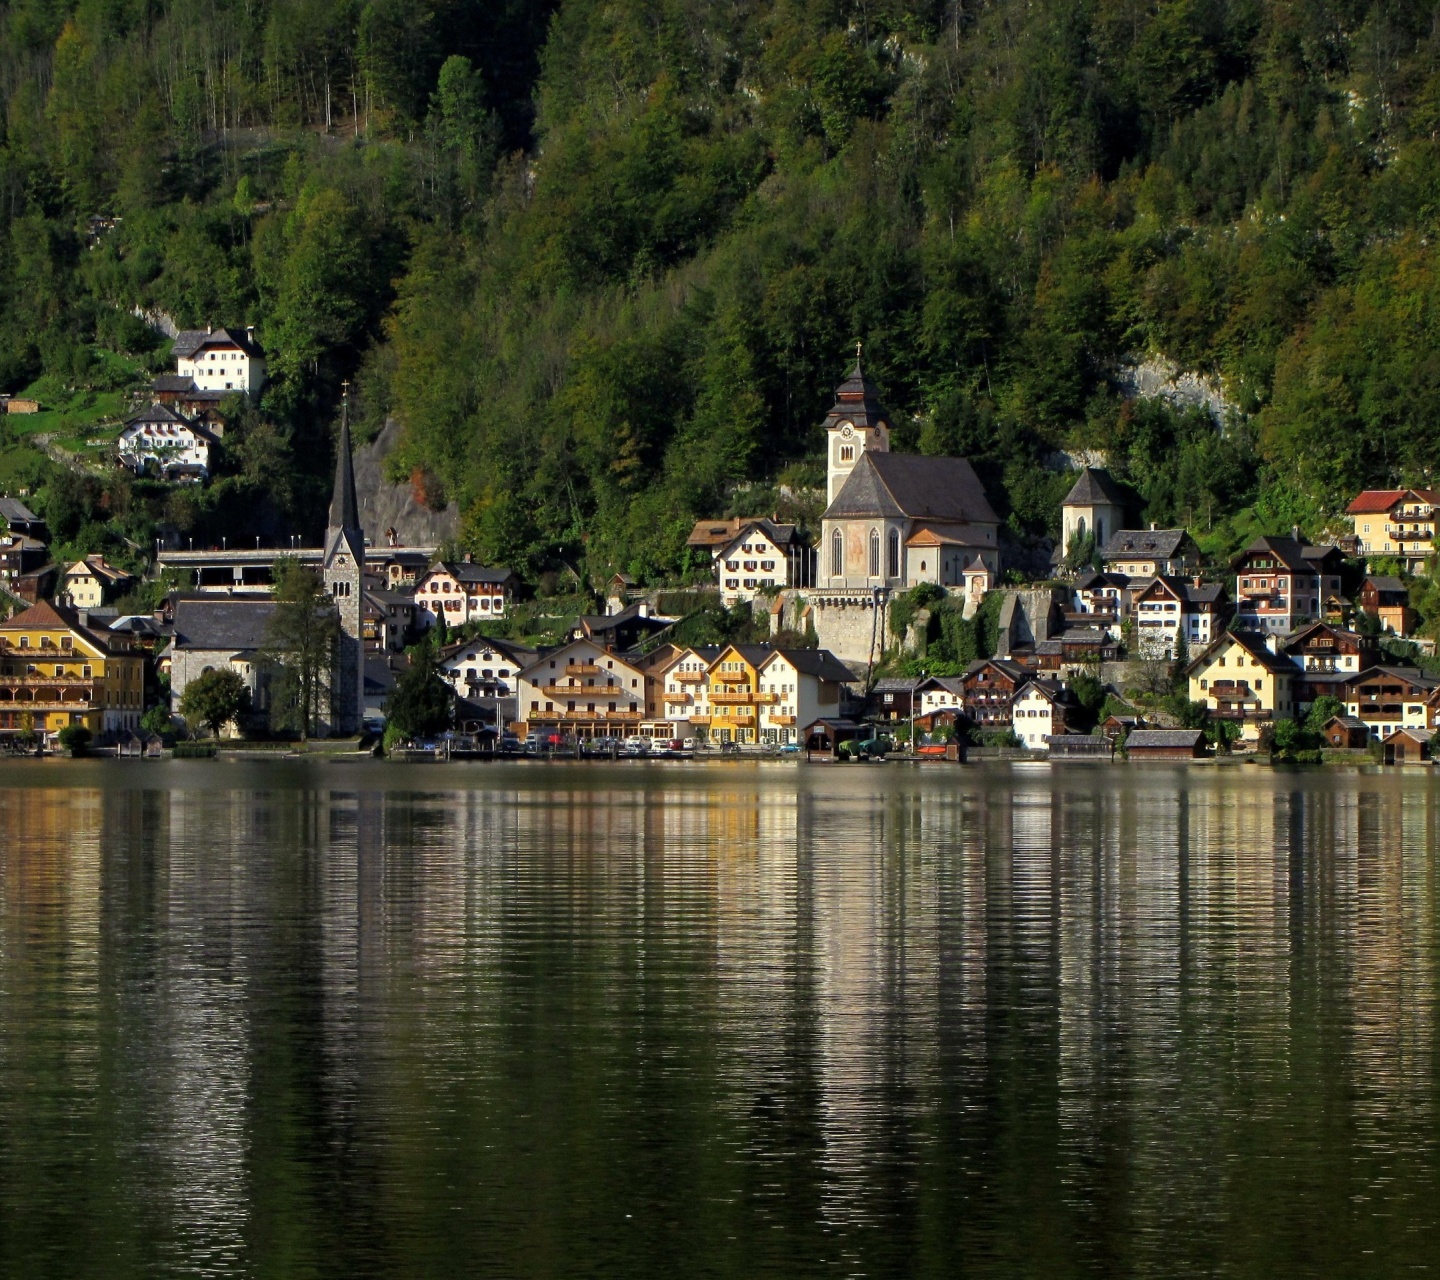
847	453
892	568
874	553
837	558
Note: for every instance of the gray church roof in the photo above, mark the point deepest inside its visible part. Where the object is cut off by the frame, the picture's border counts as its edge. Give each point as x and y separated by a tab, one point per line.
907	485
230	625
1094	488
857	400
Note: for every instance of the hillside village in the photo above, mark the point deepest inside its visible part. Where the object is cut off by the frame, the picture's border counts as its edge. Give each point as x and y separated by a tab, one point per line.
896	615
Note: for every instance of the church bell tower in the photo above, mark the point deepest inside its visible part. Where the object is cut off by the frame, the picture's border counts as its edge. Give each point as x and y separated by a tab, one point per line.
343	570
857	422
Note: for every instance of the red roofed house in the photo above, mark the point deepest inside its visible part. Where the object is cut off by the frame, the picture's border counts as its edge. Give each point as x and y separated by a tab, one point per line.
1395	522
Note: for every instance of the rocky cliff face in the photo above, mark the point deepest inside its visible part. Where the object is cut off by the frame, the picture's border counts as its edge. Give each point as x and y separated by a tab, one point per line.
392	506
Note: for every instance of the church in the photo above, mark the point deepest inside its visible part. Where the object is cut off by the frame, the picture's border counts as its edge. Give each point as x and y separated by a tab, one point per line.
342	568
896	520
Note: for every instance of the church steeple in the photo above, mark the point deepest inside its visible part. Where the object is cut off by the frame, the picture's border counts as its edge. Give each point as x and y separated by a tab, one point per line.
344	507
856	423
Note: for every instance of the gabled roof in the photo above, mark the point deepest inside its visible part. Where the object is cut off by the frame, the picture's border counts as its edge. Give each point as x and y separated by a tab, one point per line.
1094	488
896	684
819	663
45	615
228	625
176	382
1379	501
1301	634
96	566
1151	544
1411	675
950	684
912	486
714	533
782	535
1143	738
1415	735
1252	644
1092	580
1294	554
157	415
551	655
13	511
927	534
1012	669
189	341
1183	590
521	655
1385	582
1051	690
1348	722
478	574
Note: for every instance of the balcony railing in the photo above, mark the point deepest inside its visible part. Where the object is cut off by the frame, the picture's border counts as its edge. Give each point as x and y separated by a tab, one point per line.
732	699
587	717
682	699
690	677
767	699
582	690
781	719
581	669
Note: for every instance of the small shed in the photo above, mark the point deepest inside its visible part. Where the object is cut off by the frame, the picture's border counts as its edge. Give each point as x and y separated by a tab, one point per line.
1080	746
828	733
1165	744
1346	732
1407	746
1118	727
18	405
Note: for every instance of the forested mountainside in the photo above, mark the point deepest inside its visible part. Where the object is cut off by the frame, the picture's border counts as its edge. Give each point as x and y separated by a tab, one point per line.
606	261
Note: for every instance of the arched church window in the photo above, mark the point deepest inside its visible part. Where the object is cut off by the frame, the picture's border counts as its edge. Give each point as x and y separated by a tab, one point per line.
893	567
1080	526
874	553
837	554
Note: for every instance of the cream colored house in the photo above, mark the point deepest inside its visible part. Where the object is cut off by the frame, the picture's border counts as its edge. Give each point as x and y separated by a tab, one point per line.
1039	709
1239	679
763	555
583	690
220	359
90	583
1396	522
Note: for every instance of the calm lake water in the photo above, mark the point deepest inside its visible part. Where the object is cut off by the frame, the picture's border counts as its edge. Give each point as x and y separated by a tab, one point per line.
748	1019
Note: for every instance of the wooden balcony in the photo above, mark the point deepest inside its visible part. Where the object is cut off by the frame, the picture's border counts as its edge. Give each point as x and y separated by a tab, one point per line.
682	699
700	719
690	677
741	699
582	690
737	717
776	718
581	716
767	699
581	669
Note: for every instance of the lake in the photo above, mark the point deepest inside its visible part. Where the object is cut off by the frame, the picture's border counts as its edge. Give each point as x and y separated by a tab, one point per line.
664	1019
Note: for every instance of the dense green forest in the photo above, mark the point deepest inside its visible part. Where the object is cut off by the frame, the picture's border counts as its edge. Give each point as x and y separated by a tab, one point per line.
606	261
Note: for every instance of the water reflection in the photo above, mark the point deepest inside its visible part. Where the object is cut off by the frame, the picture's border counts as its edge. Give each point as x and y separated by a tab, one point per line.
748	1020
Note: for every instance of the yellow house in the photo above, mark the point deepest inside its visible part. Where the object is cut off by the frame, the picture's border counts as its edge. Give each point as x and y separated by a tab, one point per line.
1396	522
1238	678
732	687
54	672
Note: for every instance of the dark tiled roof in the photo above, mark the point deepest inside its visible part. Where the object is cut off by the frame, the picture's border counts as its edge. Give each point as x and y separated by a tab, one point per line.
1384	582
477	573
1094	488
897	684
231	625
189	341
1160	544
1255	646
158	415
173	382
820	663
1295	555
13	511
857	400
782	535
913	486
1163	738
1349	722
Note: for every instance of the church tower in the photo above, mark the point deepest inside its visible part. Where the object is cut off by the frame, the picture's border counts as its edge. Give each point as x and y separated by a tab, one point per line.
343	568
857	422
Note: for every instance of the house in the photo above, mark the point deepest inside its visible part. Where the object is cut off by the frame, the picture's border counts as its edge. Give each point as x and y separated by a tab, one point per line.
1094	508
1118	727
990	686
753	693
226	360
1103	595
91	583
1165	744
1387	698
1238	678
892	698
622	631
159	439
387	619
20	519
1150	553
211	633
1327	649
763	555
19	554
56	672
402	568
654	661
895	520
461	591
1406	746
618	592
939	693
1168	610
583	689
1387	600
484	667
1074	650
1399	523
828	732
1281	583
1041	709
36	584
1346	733
710	535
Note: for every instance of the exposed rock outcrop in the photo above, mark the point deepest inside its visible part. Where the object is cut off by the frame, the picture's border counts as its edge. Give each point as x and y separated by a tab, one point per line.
393	506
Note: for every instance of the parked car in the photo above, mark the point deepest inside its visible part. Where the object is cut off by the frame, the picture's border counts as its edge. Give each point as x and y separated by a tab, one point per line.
509	744
543	740
637	746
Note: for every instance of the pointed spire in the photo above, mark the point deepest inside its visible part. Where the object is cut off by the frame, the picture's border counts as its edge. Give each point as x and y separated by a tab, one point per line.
344	508
856	373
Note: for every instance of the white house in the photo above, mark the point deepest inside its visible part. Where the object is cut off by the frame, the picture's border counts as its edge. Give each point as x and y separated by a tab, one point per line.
939	693
763	554
90	582
1165	609
484	668
1039	711
462	592
160	438
220	359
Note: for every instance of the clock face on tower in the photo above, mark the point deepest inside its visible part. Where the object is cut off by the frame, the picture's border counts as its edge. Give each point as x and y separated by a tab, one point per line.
846	431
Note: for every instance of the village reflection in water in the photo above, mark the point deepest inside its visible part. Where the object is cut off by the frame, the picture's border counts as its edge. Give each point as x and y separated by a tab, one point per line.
751	1020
